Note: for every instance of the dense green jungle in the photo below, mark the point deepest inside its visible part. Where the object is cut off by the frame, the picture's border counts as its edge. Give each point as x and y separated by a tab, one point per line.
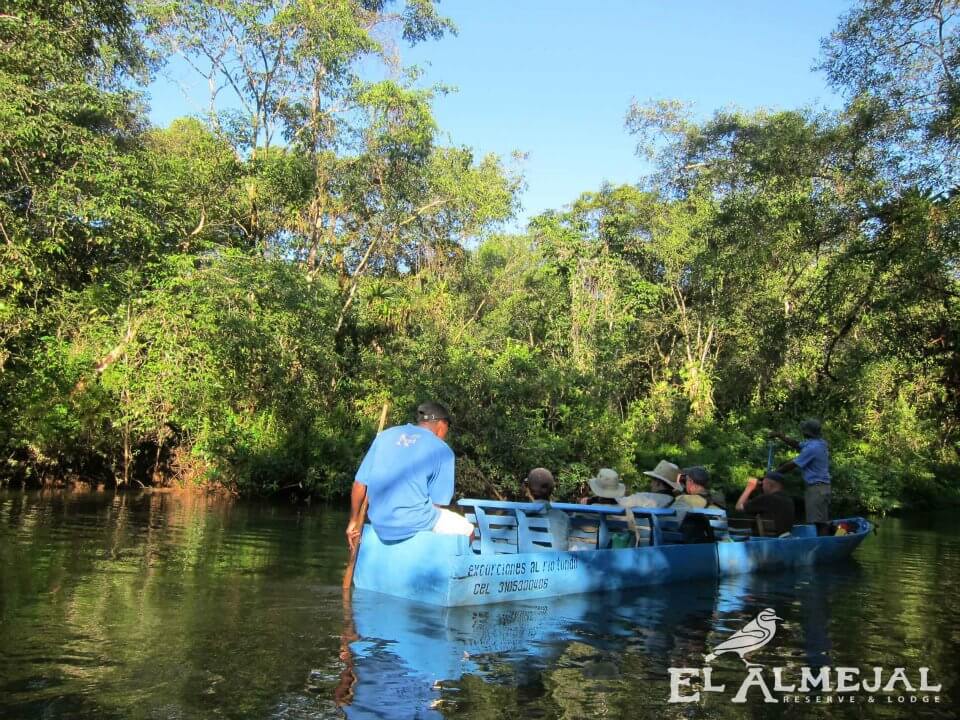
228	302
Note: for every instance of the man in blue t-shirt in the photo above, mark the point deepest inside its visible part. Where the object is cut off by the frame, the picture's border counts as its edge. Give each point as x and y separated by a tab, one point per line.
406	475
814	464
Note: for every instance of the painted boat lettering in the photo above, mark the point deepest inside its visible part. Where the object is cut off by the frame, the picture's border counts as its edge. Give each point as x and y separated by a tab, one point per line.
553	565
517	568
520	568
488	569
508	586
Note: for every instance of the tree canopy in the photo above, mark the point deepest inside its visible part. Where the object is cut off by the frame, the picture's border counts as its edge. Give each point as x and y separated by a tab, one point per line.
231	299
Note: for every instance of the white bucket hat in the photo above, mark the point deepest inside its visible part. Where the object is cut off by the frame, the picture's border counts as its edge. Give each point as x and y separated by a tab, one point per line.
607	484
665	472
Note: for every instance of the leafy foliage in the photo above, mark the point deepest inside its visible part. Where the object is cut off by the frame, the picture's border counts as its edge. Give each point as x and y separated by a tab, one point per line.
232	299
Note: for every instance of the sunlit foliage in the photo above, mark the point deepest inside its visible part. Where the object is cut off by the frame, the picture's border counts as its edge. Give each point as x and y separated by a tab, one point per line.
231	300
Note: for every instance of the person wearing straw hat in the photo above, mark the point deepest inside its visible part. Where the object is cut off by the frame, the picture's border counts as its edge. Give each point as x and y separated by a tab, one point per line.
664	486
606	487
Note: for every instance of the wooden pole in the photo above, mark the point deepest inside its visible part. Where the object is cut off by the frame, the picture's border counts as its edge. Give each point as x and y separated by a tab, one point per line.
352	562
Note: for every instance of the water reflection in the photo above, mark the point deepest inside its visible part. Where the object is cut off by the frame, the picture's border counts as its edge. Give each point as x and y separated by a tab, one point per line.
155	606
410	655
569	656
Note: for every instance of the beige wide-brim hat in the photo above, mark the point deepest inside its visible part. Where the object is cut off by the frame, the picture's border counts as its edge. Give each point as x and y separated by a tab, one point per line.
665	472
607	484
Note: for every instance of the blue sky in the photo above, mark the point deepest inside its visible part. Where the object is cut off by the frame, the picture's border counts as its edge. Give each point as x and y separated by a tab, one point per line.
554	78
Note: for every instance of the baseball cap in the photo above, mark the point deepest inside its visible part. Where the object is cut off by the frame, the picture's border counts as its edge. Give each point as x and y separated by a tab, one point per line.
540	481
698	474
430	411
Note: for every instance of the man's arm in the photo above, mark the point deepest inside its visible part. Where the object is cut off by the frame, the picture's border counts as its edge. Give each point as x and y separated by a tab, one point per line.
358	496
788	466
440	487
747	492
789	441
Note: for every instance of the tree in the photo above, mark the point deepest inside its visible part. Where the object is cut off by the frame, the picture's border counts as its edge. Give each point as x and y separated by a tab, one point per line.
382	196
70	187
291	65
812	264
901	60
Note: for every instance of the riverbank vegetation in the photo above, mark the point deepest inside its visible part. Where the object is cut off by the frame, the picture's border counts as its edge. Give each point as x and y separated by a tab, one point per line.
230	300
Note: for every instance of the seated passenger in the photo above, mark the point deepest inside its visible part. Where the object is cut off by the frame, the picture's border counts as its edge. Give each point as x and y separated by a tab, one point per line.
696	495
663	487
539	486
606	487
695	483
773	506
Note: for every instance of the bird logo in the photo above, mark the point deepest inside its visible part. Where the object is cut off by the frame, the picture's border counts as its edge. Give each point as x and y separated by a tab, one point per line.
752	636
406	440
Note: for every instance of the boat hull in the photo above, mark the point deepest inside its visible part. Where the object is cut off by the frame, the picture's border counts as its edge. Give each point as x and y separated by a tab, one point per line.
443	570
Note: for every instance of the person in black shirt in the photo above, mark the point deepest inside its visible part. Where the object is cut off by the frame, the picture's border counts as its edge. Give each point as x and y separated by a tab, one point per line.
773	506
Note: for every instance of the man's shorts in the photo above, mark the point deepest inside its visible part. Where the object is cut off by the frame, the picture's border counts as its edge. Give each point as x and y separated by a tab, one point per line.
817	500
450	523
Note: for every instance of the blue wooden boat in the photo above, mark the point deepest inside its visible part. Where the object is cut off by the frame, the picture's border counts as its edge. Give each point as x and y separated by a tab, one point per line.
515	555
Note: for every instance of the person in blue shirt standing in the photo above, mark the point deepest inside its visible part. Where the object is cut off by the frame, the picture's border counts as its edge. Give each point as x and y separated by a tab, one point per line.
405	477
814	464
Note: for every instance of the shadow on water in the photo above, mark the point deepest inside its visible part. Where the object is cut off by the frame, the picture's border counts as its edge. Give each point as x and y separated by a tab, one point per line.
153	606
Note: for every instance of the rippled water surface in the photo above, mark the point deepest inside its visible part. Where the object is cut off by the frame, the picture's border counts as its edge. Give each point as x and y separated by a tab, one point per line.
168	606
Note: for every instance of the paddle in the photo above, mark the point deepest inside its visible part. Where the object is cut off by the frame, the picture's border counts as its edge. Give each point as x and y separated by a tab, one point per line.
351	563
770	445
343	692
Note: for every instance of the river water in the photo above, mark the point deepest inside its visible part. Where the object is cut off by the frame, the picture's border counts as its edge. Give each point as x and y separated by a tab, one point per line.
180	606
